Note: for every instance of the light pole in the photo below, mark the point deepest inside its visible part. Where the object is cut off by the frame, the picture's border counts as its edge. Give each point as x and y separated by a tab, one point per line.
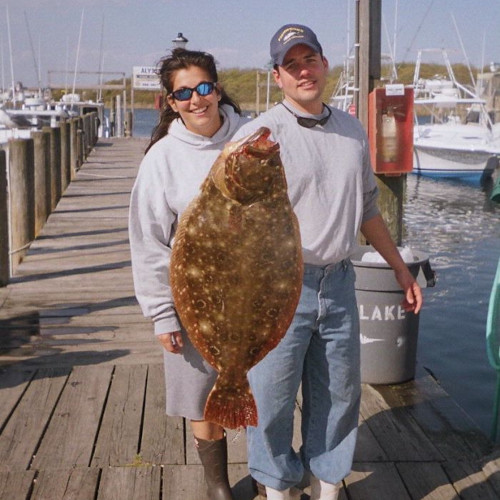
180	42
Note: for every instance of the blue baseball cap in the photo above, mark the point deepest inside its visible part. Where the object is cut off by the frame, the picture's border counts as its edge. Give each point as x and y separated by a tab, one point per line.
290	35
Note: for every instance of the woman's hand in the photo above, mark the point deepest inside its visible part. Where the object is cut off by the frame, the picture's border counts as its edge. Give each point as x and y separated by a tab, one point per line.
172	342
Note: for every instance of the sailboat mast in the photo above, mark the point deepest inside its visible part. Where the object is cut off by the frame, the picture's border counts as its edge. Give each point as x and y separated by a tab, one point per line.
2	64
11	58
33	52
77	57
101	61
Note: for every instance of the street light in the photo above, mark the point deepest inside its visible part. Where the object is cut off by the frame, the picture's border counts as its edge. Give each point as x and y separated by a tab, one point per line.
180	42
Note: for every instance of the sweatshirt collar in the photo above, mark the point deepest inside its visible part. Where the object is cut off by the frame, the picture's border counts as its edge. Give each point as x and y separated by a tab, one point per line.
229	125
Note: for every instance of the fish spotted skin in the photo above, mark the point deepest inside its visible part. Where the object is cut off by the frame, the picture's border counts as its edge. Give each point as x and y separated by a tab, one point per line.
236	270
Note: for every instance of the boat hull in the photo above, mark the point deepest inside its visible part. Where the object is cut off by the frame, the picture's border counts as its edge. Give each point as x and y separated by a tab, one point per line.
451	163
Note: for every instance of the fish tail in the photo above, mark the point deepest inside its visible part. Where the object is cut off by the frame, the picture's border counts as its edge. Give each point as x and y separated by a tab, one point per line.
231	409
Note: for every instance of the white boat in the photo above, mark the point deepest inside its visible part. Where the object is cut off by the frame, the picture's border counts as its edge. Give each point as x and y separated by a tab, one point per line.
35	112
73	105
454	136
345	90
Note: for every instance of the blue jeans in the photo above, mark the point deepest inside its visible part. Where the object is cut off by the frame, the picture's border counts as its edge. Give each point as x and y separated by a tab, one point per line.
321	351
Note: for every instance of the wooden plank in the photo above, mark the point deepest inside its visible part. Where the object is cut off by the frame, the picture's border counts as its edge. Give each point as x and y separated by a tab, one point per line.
95	353
236	446
162	436
72	484
119	433
13	383
491	468
367	447
183	481
395	430
451	430
375	481
131	483
16	485
426	481
21	435
4	292
469	481
72	431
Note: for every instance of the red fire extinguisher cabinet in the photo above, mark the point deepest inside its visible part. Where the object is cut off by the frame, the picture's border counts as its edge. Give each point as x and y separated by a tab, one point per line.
390	129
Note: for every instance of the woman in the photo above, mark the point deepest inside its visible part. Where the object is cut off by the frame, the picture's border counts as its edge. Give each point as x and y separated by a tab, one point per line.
197	121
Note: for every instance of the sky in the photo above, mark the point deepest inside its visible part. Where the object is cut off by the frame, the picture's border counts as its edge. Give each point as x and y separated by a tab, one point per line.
117	35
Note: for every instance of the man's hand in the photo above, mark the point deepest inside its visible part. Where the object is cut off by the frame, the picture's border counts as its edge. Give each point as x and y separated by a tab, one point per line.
412	301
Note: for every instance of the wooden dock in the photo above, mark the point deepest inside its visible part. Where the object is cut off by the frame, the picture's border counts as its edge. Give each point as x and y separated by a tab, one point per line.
82	391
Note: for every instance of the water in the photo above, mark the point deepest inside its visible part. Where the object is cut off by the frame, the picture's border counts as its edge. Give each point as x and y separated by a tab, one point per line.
459	228
144	122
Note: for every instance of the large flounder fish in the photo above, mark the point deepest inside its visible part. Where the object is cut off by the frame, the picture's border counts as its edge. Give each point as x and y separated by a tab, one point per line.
236	270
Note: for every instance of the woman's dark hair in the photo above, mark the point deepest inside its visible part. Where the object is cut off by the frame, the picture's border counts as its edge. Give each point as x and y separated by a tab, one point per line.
168	66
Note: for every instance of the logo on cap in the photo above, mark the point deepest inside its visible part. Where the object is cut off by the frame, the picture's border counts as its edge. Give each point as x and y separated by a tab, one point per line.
289	34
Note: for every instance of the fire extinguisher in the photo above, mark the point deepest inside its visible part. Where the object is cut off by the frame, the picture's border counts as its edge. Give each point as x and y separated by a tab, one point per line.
389	137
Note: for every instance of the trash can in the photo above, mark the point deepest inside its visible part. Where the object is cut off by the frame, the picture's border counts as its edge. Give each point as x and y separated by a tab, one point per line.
388	334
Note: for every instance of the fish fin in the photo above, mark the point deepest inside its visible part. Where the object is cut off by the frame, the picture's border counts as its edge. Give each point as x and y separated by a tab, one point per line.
231	410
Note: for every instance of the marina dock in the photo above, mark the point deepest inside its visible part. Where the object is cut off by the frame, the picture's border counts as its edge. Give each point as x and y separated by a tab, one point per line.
82	390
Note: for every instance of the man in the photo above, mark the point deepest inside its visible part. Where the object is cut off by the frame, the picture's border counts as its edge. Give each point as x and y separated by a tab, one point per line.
333	191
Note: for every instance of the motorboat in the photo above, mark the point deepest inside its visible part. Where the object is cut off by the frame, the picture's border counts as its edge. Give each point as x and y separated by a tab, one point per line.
73	105
32	113
454	136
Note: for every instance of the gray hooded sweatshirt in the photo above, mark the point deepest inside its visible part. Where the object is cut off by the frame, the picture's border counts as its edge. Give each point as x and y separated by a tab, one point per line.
170	176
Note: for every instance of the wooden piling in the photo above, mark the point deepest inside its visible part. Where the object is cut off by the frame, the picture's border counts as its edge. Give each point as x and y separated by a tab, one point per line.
73	127
129	124
65	155
367	71
391	204
80	147
55	165
42	179
87	146
22	198
4	222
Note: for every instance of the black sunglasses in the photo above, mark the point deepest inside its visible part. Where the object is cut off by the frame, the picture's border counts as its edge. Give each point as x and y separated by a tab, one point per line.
202	89
303	121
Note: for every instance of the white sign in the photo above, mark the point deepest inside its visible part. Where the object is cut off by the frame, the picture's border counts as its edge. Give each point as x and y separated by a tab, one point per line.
395	89
145	78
